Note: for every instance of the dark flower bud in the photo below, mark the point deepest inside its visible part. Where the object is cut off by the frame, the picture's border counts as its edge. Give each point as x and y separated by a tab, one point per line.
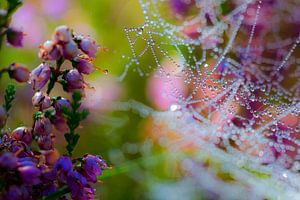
29	174
8	161
83	64
40	76
18	72
41	99
14	37
49	51
22	134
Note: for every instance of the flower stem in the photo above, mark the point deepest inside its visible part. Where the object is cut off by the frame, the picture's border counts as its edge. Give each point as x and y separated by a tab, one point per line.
54	75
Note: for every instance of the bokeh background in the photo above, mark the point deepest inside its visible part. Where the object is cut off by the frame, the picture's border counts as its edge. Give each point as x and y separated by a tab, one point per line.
122	138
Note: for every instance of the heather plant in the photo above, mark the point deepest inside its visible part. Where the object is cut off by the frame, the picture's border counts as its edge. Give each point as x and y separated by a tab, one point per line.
31	167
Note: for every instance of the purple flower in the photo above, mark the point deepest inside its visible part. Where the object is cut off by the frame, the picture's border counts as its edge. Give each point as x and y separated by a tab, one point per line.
179	7
18	72
74	80
60	123
40	76
30	174
14	37
42	100
3	116
17	193
76	183
60	103
8	161
46	142
91	167
22	134
70	50
87	193
62	35
62	167
49	51
83	65
88	45
43	126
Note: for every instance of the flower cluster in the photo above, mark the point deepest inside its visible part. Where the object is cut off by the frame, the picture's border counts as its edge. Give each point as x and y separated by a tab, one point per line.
30	165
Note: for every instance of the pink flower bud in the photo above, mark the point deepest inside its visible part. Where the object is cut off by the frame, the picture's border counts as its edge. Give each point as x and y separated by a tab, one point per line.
14	37
3	116
40	76
88	45
49	51
70	50
83	65
43	126
62	35
74	80
42	100
19	72
22	134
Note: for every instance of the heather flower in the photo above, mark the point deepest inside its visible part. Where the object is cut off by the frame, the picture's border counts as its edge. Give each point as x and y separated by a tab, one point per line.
62	35
43	126
41	99
60	123
29	174
60	103
88	45
64	164
74	80
3	116
91	167
49	51
19	72
45	142
83	64
20	149
22	134
40	76
70	50
8	161
14	37
179	7
62	167
76	183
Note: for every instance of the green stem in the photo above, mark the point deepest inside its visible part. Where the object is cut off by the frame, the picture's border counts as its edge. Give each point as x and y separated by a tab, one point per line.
54	75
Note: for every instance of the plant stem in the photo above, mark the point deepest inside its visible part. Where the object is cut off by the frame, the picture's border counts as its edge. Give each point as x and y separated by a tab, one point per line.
54	75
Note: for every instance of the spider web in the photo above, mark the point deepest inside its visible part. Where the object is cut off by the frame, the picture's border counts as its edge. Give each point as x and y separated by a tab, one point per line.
240	63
